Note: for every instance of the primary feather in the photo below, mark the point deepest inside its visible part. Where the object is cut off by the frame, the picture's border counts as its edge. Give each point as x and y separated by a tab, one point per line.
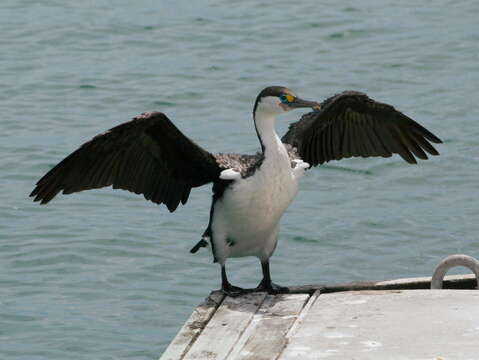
147	155
352	124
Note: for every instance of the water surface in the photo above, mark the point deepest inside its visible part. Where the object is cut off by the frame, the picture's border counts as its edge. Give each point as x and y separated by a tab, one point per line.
106	275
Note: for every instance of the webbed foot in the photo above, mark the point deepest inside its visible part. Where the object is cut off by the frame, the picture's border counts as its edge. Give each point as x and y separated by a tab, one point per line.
227	288
271	288
233	291
267	285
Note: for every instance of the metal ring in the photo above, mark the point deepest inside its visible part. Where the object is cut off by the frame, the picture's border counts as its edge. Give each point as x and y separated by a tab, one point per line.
452	261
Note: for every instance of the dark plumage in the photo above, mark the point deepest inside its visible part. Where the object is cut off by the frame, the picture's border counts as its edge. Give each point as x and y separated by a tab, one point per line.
247	164
351	124
147	155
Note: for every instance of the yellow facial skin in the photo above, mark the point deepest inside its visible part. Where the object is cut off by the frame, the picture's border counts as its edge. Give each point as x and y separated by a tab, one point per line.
290	98
286	99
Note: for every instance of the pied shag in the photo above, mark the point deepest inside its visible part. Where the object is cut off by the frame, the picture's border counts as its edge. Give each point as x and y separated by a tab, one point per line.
149	155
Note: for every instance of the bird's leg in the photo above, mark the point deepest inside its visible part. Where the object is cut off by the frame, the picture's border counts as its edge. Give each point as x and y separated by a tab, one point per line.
266	284
227	288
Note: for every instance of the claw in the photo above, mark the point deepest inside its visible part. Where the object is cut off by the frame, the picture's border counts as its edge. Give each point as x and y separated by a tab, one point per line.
234	291
272	288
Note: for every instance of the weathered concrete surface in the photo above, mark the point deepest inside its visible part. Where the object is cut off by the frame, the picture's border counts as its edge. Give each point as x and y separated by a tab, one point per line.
265	337
193	327
225	327
391	324
366	320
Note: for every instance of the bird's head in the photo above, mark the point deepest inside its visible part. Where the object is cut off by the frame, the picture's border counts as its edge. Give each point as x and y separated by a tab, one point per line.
275	100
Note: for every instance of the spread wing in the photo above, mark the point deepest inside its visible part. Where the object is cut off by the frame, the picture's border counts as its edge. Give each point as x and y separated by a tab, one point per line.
147	155
351	124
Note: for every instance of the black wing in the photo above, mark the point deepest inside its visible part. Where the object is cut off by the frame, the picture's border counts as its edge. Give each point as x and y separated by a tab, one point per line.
147	155
351	124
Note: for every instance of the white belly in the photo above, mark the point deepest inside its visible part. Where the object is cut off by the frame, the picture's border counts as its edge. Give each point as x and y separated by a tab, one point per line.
245	221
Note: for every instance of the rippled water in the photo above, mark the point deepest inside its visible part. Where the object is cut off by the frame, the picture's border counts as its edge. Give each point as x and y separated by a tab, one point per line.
106	275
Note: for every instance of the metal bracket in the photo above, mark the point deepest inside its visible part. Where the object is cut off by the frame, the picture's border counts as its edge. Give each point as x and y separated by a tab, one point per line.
453	261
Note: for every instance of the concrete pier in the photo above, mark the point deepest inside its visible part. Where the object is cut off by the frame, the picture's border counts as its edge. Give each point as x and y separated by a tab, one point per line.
399	319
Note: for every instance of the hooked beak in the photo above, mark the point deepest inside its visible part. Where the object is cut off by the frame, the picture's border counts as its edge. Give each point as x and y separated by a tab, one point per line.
300	103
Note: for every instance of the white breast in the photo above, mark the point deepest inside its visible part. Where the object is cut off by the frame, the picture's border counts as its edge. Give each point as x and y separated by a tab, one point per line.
246	219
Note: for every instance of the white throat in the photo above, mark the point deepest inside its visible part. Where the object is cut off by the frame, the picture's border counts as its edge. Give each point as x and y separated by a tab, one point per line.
265	127
265	119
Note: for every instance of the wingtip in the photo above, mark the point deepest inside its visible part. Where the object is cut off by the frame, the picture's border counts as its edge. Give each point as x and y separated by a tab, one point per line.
409	158
172	206
34	194
42	198
39	200
435	139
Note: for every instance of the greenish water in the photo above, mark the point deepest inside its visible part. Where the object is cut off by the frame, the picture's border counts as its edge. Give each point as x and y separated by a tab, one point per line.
106	275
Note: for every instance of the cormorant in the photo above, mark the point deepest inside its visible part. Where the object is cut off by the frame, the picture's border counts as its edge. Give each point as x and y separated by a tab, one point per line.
149	155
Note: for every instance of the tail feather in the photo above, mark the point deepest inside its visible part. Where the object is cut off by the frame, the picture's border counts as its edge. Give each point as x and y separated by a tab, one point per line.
200	244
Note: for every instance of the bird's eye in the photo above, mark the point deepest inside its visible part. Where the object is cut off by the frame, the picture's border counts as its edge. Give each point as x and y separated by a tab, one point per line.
286	98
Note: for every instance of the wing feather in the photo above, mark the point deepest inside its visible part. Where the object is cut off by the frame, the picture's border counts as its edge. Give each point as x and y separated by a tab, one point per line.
336	140
346	146
378	142
147	155
352	124
424	144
